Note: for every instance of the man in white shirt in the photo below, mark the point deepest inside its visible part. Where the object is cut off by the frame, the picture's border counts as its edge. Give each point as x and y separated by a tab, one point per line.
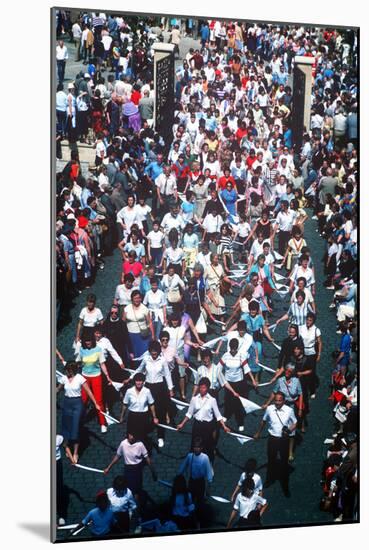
281	422
166	189
77	35
205	411
61	59
284	222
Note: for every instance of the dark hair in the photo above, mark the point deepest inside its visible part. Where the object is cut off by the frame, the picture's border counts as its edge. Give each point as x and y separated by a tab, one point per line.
254	306
91	298
139	376
164	334
204	382
206	353
233	343
120	483
155	346
72	365
136	293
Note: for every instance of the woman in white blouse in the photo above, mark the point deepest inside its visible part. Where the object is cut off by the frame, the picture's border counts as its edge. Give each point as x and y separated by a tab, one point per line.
156	303
139	324
72	411
159	382
128	215
89	317
172	285
122	503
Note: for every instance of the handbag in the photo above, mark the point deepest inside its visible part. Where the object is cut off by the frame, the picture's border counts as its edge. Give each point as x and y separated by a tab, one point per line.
144	332
201	325
224	286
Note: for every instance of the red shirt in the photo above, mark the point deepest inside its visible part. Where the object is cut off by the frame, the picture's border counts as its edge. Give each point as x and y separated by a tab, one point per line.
136	268
135	97
222	182
240	134
250	161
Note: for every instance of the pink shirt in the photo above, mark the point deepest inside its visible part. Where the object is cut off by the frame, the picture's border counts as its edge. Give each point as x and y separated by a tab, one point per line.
132	453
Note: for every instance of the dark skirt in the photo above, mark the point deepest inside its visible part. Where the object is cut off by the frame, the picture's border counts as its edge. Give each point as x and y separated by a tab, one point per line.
71	418
138	423
133	473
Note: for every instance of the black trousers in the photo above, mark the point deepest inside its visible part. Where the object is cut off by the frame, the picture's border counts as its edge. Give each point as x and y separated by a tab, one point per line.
197	489
277	451
232	405
205	430
283	238
160	394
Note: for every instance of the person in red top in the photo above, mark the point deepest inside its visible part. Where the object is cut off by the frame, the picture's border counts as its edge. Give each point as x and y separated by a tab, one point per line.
136	95
132	266
241	130
227	178
182	172
251	159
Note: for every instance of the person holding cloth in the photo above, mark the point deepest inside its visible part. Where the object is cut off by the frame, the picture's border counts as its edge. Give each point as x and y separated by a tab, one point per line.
159	382
197	464
249	505
205	411
138	400
281	422
135	456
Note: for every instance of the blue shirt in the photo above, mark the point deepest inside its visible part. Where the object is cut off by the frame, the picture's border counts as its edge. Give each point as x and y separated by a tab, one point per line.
198	466
101	521
154	169
345	347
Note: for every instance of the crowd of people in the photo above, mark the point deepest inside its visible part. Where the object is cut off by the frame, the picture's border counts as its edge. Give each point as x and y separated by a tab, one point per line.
210	226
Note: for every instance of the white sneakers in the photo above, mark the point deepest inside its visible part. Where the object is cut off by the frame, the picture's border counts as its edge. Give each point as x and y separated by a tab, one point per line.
160	443
104	429
241	428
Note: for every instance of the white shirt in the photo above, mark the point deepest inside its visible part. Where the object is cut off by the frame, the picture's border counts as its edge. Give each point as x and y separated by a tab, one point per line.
107	349
203	409
214	374
142	211
72	388
176	337
90	318
76	30
245	505
244	342
169	221
155	301
307	273
123	295
285	220
128	216
138	401
233	370
121	502
132	453
277	418
61	53
174	255
166	184
172	283
256	249
155	370
309	337
256	479
156	239
212	223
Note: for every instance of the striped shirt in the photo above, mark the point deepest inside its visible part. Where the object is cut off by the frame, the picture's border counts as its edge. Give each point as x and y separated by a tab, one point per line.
297	314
